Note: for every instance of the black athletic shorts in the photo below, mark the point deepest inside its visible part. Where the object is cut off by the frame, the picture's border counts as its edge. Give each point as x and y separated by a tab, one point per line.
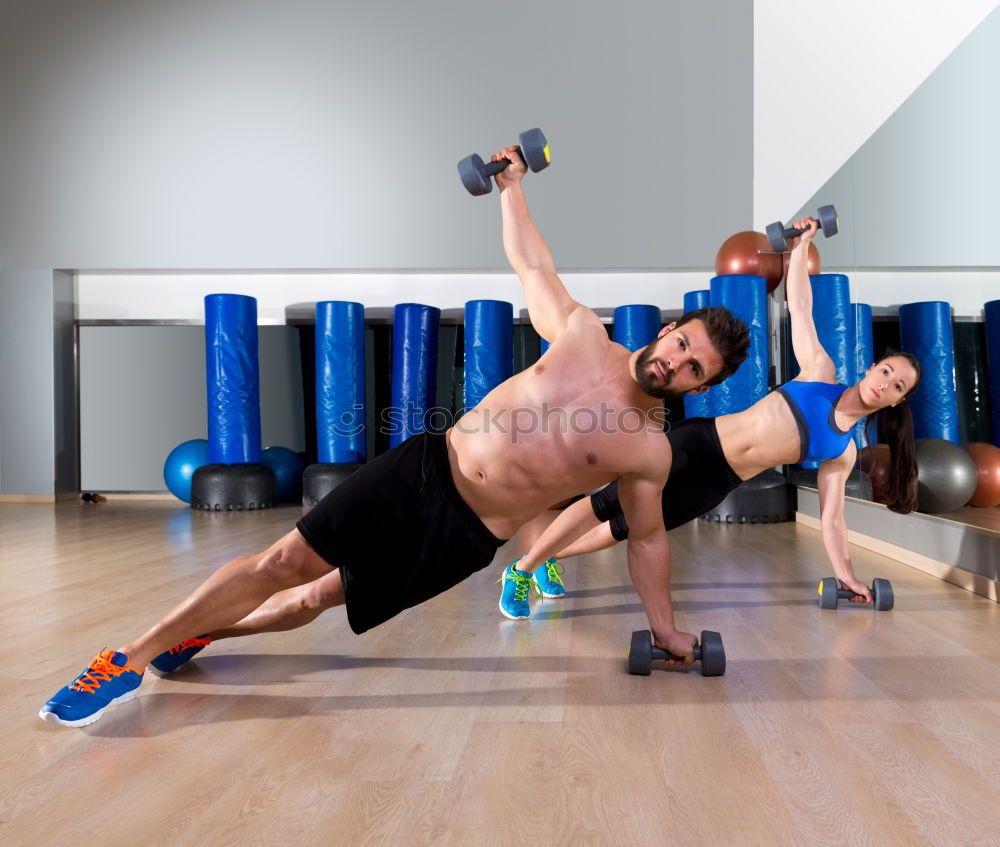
399	531
700	478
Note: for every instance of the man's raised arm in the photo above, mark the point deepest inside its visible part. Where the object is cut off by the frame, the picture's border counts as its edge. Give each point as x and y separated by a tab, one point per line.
549	303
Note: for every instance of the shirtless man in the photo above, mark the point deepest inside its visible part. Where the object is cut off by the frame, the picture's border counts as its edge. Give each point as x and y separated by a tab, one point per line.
424	516
809	418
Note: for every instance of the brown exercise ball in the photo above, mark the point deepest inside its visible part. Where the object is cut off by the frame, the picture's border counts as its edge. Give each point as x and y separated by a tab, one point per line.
874	460
749	253
986	458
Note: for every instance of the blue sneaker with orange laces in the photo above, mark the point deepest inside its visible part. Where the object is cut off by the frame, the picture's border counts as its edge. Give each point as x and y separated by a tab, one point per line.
514	596
548	578
178	655
110	679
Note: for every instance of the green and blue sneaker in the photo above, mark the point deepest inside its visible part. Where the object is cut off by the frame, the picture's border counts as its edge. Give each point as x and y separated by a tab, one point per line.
548	578
110	679
178	655
514	597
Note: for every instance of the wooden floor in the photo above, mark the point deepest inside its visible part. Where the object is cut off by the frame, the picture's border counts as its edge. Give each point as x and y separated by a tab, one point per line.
453	726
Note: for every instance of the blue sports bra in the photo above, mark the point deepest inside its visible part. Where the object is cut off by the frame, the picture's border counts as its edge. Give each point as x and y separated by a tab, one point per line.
813	405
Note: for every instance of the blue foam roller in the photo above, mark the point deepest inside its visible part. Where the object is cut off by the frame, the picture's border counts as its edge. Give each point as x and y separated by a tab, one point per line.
340	382
694	300
925	332
864	355
636	325
414	369
745	296
864	340
697	405
232	379
991	311
489	348
834	319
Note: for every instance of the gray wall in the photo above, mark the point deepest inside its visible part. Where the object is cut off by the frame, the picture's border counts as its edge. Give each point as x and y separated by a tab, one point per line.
325	133
921	192
38	432
142	392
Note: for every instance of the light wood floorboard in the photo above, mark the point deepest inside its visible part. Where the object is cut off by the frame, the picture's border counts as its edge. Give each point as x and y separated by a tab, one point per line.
451	725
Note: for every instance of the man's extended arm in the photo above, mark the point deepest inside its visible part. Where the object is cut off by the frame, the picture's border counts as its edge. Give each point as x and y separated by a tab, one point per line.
649	561
549	303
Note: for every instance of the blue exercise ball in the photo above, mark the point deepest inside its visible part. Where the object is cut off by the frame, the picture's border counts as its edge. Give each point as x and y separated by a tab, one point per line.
181	464
288	468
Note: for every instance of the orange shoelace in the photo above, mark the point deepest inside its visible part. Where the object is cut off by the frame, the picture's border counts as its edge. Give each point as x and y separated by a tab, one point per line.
101	670
200	641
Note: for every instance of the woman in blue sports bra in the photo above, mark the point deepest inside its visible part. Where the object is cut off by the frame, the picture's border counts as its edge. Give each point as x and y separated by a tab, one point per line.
810	418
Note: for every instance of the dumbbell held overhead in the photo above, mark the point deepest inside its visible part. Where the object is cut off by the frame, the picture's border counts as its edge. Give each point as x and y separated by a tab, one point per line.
709	652
778	235
830	594
477	175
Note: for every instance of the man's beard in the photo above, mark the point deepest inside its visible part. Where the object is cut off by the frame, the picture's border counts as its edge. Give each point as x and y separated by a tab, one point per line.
648	381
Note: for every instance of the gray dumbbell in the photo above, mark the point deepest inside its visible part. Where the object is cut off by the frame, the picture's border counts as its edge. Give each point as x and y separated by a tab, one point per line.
778	236
830	594
476	174
709	652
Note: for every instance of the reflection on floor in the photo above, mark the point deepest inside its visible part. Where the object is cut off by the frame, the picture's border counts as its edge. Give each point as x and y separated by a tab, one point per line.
985	518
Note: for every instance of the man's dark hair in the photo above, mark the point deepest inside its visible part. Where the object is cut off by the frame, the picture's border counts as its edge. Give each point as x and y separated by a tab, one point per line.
728	334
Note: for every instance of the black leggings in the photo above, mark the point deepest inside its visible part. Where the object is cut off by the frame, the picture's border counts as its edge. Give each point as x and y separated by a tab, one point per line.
700	478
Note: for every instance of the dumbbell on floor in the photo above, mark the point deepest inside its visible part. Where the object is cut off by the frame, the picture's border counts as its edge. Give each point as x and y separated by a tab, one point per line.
830	594
778	236
476	174
709	652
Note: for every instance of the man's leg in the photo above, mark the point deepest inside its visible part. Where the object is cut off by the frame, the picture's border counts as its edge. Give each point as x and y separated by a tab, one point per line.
289	609
232	593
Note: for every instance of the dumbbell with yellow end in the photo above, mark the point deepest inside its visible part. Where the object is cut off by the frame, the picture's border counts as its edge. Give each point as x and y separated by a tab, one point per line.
830	594
477	175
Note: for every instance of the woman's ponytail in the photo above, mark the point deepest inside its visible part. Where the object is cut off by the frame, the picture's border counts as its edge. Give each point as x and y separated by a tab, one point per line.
895	428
